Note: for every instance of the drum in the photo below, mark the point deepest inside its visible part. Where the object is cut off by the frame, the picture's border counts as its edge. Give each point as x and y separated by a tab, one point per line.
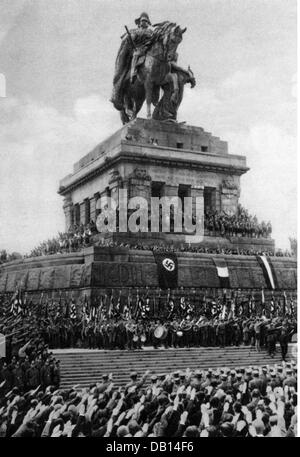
143	338
179	333
135	338
160	332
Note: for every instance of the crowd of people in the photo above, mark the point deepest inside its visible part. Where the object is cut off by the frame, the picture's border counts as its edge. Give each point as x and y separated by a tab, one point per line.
77	237
75	241
216	223
244	402
240	224
250	401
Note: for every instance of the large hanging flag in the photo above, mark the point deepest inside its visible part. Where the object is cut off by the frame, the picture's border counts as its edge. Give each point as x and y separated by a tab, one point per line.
167	269
267	270
222	271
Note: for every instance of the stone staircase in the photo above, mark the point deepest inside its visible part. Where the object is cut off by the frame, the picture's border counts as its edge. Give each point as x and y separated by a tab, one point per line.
79	366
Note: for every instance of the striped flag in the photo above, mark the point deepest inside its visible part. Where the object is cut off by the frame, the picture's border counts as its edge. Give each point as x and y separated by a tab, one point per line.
73	309
272	304
222	272
267	271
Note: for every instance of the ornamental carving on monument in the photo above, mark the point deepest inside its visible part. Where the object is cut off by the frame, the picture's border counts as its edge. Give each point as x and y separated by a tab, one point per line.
114	175
140	173
230	188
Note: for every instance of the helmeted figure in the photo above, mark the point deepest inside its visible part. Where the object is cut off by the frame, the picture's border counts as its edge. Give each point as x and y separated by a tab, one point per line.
140	38
132	50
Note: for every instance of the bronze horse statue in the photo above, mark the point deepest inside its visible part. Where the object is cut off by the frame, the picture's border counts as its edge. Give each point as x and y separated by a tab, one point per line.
152	73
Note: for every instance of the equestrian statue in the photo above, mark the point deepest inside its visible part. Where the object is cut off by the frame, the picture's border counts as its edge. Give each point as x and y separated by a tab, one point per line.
146	67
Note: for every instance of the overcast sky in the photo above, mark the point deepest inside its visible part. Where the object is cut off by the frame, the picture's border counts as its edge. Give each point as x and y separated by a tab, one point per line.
58	59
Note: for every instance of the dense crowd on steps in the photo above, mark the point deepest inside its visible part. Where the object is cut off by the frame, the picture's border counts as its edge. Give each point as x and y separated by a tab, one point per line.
249	402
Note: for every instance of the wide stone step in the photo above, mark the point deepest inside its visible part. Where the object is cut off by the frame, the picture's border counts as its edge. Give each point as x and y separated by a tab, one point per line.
87	366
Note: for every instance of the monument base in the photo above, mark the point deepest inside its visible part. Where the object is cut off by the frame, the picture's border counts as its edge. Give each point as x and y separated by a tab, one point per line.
95	270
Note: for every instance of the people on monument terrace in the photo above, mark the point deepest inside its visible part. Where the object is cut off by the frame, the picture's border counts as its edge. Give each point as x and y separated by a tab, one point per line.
241	402
239	224
66	243
216	224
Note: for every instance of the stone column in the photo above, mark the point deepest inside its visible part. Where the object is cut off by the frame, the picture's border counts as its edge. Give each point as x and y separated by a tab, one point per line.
68	210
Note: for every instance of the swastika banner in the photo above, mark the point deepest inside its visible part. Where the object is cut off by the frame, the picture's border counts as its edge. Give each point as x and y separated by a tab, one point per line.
167	270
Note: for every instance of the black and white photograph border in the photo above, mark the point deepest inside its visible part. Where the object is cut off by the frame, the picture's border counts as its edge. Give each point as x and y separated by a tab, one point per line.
148	221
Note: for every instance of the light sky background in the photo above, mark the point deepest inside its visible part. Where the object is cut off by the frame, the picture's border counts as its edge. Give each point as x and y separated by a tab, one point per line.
58	59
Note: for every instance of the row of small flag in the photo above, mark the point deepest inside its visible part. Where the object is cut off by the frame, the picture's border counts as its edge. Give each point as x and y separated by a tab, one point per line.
108	305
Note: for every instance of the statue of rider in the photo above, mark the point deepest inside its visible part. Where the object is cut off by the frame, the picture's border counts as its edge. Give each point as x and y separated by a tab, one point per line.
140	37
133	48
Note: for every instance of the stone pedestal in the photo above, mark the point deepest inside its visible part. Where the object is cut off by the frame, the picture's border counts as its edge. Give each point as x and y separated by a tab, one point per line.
183	160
